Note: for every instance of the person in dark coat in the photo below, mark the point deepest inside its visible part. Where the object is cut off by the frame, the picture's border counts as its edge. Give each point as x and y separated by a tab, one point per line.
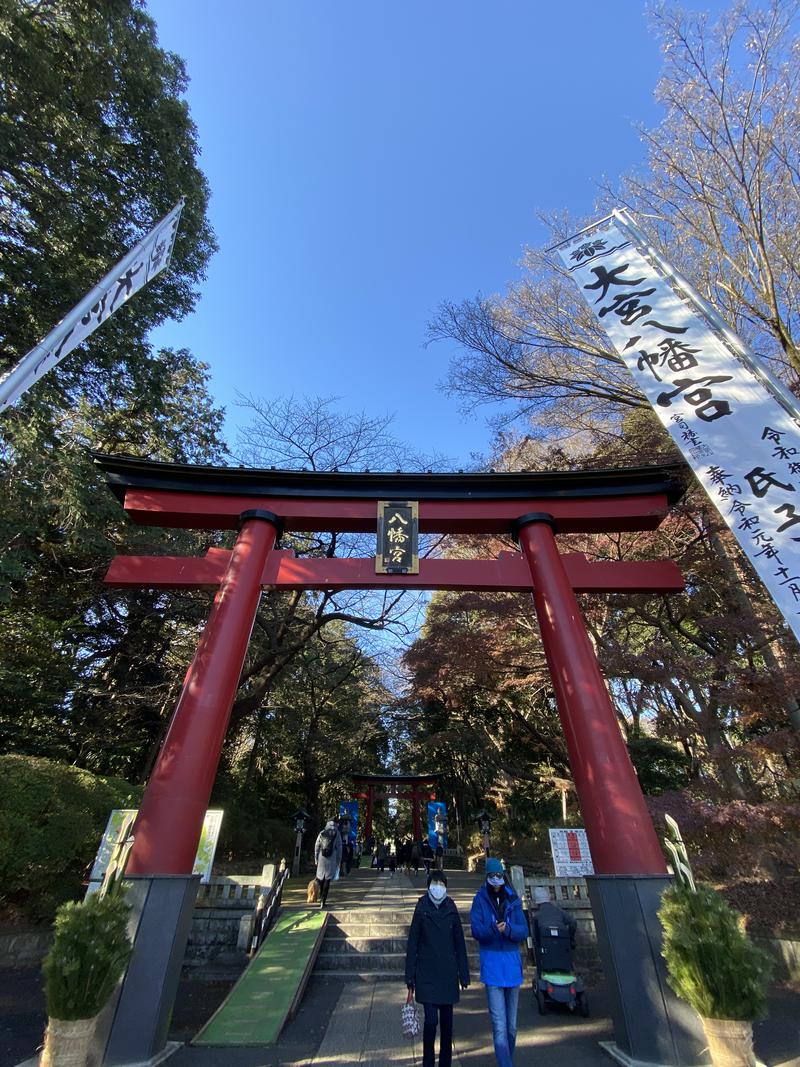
383	856
416	856
436	965
499	925
427	856
328	857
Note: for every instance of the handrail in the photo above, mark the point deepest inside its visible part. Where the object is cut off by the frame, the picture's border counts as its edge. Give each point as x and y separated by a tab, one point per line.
266	909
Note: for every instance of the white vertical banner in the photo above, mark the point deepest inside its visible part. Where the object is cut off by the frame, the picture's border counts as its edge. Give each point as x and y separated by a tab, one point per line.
150	256
735	427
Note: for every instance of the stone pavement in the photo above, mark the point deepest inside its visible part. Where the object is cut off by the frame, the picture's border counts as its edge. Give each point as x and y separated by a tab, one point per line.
342	1022
357	1021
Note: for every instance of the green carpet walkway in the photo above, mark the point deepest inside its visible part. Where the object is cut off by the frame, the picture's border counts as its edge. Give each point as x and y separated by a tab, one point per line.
259	1004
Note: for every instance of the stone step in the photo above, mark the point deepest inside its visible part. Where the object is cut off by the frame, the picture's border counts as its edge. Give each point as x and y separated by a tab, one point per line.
372	946
357	925
384	915
362	962
359	976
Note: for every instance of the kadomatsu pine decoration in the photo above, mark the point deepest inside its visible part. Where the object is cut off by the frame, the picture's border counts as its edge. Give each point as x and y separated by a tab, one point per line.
90	952
712	963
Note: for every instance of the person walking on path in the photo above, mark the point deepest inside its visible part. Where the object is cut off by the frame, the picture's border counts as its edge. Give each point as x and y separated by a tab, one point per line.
328	857
499	925
427	856
383	856
436	966
416	857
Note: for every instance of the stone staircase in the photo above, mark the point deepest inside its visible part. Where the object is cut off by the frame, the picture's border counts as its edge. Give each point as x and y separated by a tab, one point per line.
371	943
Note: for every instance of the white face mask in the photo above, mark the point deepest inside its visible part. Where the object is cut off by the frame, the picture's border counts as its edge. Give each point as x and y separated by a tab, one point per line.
437	892
496	880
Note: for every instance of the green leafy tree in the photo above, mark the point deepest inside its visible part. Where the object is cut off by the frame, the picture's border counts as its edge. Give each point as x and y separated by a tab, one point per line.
96	144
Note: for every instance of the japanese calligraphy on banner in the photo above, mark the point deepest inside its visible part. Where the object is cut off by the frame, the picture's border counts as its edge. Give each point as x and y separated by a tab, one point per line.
571	856
135	270
398	537
740	440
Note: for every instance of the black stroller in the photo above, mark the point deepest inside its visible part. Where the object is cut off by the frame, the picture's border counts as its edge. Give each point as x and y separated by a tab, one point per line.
555	981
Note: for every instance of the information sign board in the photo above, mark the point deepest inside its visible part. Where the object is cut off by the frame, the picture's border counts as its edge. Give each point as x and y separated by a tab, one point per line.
571	856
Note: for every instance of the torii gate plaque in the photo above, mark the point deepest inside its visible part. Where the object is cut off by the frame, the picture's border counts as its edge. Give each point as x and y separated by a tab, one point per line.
533	507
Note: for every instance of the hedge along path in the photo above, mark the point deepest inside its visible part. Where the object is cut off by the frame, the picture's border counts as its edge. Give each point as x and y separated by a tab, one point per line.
270	990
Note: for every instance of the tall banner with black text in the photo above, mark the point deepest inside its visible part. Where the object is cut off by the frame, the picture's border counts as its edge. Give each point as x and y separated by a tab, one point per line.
741	441
150	256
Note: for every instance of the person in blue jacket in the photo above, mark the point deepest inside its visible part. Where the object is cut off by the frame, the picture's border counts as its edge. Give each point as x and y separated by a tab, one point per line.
499	925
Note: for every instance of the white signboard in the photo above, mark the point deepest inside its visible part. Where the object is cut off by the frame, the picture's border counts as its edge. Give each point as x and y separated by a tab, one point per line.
571	856
206	848
136	269
740	441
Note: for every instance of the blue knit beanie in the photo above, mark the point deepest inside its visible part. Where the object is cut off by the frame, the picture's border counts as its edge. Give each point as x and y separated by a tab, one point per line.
493	866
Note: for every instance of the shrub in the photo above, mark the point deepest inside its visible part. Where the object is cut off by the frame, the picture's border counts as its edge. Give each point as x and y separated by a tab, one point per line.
52	816
734	839
711	963
90	951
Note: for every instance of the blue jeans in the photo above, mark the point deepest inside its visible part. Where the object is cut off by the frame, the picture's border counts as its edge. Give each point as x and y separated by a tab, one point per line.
503	1003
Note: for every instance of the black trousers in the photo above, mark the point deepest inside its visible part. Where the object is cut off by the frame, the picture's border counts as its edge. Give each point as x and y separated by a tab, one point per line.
324	886
443	1014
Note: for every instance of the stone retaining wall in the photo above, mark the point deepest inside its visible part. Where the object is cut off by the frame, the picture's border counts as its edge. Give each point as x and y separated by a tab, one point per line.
223	920
785	954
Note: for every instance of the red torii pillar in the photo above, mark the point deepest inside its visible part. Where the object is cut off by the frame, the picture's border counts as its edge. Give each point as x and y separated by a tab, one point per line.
415	819
174	804
630	871
370	811
618	824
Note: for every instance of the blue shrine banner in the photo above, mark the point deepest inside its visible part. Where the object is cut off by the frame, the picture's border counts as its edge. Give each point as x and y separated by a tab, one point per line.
350	809
437	823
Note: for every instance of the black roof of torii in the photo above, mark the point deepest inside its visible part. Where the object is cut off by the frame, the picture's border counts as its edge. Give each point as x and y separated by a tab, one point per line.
131	472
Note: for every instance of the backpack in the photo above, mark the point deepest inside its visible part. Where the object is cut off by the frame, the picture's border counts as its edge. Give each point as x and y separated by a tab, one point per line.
327	848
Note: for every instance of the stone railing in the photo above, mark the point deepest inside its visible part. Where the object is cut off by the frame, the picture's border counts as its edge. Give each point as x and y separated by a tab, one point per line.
572	895
224	920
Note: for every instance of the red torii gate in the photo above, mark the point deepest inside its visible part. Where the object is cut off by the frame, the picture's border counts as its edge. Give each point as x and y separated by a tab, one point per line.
533	507
418	788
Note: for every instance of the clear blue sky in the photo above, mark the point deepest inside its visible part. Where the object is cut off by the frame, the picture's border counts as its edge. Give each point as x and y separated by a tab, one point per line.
368	160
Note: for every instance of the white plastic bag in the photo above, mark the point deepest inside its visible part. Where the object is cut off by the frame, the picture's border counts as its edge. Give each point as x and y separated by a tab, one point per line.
409	1017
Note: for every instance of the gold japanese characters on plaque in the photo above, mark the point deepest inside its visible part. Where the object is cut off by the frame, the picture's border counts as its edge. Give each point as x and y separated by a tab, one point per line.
398	537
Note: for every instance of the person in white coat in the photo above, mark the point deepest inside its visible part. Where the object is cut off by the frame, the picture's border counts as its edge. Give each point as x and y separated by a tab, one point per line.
328	857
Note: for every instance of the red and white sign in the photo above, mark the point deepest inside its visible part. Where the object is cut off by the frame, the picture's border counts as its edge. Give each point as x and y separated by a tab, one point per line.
571	856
